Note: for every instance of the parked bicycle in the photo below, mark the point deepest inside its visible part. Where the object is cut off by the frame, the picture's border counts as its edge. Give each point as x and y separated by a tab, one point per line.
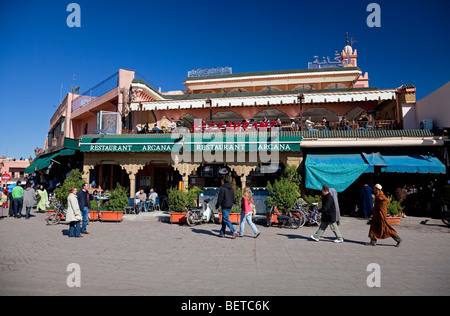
57	215
310	213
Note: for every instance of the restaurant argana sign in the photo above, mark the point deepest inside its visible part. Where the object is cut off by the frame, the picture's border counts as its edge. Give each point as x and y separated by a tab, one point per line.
186	143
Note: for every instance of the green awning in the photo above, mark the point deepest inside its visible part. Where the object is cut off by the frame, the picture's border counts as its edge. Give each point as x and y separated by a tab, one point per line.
70	148
287	141
30	169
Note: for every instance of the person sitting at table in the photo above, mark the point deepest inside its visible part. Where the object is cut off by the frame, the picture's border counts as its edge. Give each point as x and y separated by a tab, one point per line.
156	129
142	197
344	124
326	124
362	122
151	199
293	125
309	124
95	195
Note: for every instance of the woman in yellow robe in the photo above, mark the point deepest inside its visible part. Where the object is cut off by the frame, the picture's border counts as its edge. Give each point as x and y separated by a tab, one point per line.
43	198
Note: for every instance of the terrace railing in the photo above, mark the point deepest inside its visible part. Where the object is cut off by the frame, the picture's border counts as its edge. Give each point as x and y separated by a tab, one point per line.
96	91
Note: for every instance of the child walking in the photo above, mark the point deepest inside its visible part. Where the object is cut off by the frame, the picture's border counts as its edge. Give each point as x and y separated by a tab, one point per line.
246	212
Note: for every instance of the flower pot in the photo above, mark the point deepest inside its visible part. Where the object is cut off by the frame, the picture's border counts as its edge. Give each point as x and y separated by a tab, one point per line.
393	221
177	217
111	216
94	215
235	218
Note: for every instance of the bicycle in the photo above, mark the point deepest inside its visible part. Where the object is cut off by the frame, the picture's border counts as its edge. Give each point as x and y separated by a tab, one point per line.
57	215
311	215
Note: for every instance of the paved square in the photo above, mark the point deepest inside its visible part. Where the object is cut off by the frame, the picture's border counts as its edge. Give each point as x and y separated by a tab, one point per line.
150	257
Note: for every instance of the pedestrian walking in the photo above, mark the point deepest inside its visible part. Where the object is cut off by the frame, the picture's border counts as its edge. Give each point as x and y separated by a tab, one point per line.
84	200
328	211
247	212
334	194
17	197
42	197
225	199
367	201
4	200
29	199
73	214
379	227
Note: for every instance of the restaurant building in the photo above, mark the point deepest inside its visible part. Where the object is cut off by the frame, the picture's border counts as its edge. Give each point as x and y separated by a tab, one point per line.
250	124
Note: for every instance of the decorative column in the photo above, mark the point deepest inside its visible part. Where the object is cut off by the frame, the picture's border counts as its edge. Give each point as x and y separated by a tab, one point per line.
243	171
185	170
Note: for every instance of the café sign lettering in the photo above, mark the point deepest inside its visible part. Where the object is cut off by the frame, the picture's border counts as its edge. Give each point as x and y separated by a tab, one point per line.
210	72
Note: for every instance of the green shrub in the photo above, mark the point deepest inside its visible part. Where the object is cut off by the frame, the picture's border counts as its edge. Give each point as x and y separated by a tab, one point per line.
73	180
118	198
285	191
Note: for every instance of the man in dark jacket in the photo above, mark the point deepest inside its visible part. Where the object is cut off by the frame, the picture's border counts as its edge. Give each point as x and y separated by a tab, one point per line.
225	199
328	217
84	201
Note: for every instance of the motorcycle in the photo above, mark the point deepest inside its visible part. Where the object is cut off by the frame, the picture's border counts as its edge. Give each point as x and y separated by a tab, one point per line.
290	220
199	215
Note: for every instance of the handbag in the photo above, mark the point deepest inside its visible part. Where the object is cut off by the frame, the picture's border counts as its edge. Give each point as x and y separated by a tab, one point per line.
253	208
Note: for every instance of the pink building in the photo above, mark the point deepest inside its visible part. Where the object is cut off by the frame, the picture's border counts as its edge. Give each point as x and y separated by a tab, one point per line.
106	131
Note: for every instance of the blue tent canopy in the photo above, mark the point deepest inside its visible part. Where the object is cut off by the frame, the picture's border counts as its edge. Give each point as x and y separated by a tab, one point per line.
405	162
339	171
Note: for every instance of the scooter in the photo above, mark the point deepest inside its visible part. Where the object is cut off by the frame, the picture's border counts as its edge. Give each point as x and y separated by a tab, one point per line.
199	215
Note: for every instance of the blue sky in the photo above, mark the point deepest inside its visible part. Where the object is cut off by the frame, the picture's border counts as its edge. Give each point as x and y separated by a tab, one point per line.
164	39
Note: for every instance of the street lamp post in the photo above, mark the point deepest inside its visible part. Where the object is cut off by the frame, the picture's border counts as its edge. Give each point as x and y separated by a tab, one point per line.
300	98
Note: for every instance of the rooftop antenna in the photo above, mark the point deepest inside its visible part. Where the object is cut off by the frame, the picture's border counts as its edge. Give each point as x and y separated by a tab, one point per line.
60	93
75	89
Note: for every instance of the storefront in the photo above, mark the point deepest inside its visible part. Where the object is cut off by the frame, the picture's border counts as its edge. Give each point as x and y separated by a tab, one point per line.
163	160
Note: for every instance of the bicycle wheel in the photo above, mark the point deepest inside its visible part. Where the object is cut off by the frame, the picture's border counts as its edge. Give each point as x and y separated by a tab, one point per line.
302	217
190	218
294	222
53	218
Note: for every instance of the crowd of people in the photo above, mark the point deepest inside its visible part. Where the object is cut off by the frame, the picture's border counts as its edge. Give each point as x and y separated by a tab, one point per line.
362	123
21	200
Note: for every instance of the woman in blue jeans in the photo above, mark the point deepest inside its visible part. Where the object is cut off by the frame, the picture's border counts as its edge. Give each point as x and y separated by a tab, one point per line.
73	214
246	213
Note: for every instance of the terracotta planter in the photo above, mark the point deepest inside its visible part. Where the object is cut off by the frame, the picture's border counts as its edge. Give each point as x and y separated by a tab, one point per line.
94	215
111	216
177	217
235	218
393	221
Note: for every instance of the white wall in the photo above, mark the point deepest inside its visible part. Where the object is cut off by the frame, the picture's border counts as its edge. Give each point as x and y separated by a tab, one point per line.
435	106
